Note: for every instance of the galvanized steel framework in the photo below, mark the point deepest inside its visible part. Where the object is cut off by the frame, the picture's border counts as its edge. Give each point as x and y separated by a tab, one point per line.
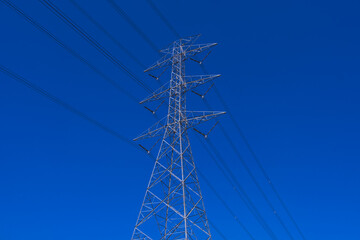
173	206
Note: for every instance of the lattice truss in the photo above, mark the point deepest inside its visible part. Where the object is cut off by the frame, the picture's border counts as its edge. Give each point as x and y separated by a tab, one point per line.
173	206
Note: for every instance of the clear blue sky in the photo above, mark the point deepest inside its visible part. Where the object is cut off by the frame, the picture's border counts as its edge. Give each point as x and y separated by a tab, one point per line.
290	74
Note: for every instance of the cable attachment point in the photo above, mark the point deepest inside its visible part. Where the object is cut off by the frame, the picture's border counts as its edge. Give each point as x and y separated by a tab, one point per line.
212	128
201	61
154	111
208	133
196	60
156	78
200	95
203	95
201	133
147	151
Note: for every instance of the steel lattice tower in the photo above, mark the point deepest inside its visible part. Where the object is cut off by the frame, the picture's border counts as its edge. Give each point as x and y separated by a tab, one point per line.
173	206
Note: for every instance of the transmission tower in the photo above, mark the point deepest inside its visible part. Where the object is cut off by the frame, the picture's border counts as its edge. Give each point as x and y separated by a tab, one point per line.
173	205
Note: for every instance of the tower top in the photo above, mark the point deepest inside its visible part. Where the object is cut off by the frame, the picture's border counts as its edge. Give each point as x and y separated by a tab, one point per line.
188	49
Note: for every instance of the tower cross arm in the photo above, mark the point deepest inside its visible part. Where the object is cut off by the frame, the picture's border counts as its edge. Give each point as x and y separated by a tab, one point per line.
193	118
196	117
153	131
194	49
197	80
188	50
157	94
162	62
191	82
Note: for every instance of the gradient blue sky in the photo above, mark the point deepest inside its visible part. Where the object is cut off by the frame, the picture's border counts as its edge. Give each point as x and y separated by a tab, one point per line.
290	74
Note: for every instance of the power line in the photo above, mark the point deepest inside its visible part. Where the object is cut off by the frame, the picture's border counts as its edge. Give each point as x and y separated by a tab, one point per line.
110	36
107	33
237	153
69	49
217	230
228	208
256	182
229	176
257	160
163	18
67	106
122	13
57	12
